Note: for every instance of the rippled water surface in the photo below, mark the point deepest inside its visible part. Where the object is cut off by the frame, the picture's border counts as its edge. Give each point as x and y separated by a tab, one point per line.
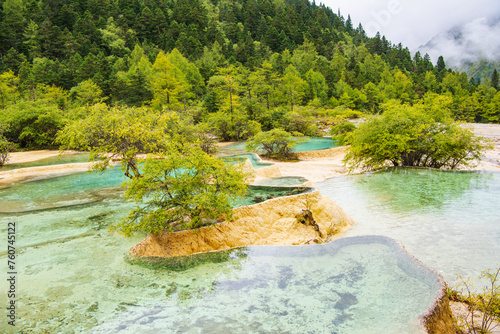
311	144
448	220
353	285
72	275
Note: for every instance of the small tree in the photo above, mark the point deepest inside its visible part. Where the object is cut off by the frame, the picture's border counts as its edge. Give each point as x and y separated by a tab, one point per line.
416	135
342	131
111	133
183	188
236	127
277	144
483	307
5	147
87	92
495	79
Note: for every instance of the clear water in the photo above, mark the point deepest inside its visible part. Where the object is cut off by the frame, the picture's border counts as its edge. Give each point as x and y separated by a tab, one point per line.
311	144
282	181
86	188
339	287
56	160
78	188
448	220
72	275
254	159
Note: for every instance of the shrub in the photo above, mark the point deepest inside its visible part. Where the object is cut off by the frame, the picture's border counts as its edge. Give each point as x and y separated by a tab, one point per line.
5	147
412	136
276	144
483	307
182	188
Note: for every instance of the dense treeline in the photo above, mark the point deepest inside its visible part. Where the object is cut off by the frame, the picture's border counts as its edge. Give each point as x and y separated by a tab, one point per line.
237	67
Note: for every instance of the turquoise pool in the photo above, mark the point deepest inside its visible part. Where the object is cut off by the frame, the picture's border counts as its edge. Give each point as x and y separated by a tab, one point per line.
72	276
340	287
448	220
87	188
56	160
239	158
311	144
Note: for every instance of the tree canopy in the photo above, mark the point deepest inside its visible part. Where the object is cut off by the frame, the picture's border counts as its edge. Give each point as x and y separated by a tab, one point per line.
5	147
422	135
117	133
182	188
276	144
178	185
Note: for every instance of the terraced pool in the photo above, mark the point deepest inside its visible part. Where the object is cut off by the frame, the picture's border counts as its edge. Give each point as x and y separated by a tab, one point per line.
311	144
73	277
449	220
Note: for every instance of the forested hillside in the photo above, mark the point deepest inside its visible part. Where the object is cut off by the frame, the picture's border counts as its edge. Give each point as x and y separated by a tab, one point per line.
231	67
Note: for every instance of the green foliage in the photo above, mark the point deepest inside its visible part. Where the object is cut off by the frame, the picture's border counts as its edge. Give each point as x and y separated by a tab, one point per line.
8	88
342	131
276	144
87	92
294	87
483	307
32	125
418	135
296	123
495	80
218	56
178	186
343	112
232	127
182	188
110	133
5	147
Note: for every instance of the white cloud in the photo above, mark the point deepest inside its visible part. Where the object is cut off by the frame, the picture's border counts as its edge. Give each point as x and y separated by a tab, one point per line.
413	22
479	39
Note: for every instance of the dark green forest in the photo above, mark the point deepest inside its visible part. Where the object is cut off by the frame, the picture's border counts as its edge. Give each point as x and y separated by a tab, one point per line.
233	68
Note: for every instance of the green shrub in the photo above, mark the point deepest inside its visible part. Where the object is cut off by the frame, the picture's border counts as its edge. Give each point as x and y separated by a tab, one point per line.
276	144
407	135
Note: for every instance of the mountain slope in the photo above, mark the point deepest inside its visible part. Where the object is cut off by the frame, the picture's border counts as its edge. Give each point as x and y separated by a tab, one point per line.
473	48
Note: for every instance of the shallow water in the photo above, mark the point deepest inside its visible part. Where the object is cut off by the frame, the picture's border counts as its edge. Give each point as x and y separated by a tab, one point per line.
448	220
311	144
77	188
254	159
353	285
86	188
282	181
55	160
72	274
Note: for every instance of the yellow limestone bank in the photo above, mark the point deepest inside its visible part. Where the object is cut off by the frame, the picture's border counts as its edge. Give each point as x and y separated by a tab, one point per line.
272	222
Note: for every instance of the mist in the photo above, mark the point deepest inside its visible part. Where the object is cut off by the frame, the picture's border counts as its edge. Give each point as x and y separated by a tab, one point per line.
477	40
416	22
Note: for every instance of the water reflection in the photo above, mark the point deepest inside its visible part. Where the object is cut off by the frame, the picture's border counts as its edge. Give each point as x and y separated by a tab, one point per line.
410	189
448	220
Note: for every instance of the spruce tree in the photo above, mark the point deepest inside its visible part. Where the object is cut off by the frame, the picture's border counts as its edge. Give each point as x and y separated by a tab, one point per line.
495	79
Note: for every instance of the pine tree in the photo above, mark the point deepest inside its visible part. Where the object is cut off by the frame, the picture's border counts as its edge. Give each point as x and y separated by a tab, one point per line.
440	68
495	79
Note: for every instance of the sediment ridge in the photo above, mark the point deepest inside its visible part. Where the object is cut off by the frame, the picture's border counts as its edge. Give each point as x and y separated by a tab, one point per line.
273	222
